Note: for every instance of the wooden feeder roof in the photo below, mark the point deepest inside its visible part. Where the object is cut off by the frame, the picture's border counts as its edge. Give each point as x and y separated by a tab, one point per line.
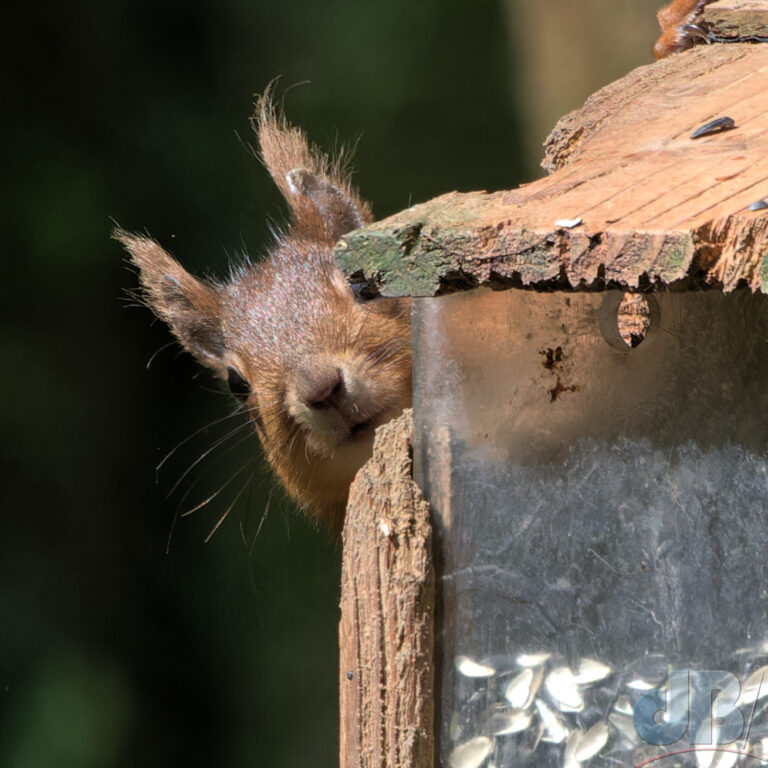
656	206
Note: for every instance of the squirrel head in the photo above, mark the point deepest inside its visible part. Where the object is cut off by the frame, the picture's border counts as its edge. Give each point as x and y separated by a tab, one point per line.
317	368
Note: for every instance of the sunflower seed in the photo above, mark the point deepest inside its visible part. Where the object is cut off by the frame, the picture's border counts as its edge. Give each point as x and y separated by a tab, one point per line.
714	126
561	685
571	745
554	730
624	705
592	742
590	671
501	720
568	223
523	688
470	668
624	725
640	685
471	754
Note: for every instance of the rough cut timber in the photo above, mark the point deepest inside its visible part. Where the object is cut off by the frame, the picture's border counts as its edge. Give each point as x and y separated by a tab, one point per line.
656	206
737	19
387	613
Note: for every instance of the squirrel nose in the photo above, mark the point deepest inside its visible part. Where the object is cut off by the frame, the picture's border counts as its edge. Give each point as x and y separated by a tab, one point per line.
322	389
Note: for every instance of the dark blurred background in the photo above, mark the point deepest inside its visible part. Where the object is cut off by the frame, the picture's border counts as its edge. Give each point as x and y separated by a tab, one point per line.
114	651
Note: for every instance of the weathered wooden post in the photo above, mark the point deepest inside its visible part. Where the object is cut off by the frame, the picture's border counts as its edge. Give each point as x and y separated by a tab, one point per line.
599	507
387	618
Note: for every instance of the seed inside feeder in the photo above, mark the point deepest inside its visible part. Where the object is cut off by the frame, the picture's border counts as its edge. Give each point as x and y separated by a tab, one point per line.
554	730
592	742
590	671
523	688
471	754
561	685
501	720
470	668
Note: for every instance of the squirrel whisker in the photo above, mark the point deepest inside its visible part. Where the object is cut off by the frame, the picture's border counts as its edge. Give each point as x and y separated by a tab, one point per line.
240	411
289	335
245	485
216	493
218	443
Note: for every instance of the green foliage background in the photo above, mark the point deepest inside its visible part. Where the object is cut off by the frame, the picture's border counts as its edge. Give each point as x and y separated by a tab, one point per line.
112	652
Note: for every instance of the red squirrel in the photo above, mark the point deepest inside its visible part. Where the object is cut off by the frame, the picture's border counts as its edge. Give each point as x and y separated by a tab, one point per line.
673	19
317	368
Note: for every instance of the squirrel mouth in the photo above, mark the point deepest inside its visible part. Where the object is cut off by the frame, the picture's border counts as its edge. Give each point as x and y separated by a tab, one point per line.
363	426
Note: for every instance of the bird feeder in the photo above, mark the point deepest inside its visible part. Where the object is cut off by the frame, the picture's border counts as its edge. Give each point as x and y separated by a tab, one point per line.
590	433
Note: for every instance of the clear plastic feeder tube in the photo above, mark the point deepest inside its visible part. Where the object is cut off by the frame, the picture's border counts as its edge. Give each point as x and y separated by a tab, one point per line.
602	527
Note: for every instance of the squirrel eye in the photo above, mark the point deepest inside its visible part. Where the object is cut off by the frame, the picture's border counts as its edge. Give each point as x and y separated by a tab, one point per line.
238	386
364	290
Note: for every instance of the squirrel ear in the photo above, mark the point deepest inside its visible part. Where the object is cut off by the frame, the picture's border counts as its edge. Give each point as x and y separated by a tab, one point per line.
324	203
337	211
188	305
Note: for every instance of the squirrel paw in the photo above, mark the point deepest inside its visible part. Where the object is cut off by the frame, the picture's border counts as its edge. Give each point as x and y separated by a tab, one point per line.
678	30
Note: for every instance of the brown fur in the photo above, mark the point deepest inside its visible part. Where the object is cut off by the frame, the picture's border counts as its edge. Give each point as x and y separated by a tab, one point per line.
324	369
672	18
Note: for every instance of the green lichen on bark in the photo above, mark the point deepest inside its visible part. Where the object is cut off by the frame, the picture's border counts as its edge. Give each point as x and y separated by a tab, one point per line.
416	256
387	260
675	256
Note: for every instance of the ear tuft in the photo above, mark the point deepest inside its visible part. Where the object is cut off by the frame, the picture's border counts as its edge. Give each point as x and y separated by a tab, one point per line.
317	187
188	305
